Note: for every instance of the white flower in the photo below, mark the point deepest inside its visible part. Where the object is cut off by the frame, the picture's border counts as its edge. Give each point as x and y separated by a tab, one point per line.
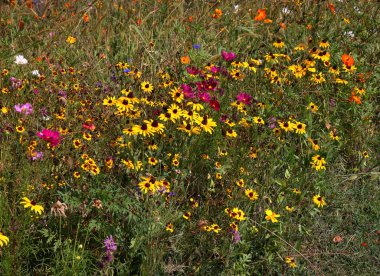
236	8
349	33
35	73
20	60
285	10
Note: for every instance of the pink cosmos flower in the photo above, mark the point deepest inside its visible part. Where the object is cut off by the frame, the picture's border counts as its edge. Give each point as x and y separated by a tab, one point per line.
228	56
204	96
244	98
24	108
50	136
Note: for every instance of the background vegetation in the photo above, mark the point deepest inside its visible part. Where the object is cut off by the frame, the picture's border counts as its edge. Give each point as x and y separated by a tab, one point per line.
87	52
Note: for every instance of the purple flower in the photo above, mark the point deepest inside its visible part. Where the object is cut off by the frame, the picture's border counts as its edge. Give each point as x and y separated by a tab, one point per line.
244	98
272	122
110	244
236	236
50	136
37	155
24	108
228	56
196	46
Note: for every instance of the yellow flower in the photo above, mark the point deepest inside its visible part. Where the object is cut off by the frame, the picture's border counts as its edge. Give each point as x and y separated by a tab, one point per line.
33	206
251	194
215	227
291	262
70	39
169	227
272	216
333	136
312	107
4	240
319	201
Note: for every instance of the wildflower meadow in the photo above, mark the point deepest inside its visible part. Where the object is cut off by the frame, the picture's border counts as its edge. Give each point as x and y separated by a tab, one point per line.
174	137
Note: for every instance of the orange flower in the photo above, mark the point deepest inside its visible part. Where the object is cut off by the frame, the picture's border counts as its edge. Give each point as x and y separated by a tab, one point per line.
332	8
348	60
355	98
282	26
261	15
86	18
190	19
217	13
185	60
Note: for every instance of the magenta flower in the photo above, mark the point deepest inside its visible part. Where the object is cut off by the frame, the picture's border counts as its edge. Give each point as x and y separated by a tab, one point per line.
50	136
204	96
228	56
24	108
187	91
244	98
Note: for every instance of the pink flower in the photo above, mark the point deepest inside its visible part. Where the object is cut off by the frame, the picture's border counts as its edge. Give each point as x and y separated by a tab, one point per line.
24	108
228	56
50	136
244	98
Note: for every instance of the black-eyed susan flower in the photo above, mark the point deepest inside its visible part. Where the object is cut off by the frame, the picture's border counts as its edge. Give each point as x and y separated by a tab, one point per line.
152	161
143	129
319	201
146	87
4	240
20	129
251	194
296	191
318	78
291	262
38	209
236	213
77	143
299	128
287	126
365	154
318	162
87	136
334	136
231	133
279	43
186	215
314	143
215	227
240	183
312	107
148	184
324	44
258	120
289	209
207	124
272	216
169	227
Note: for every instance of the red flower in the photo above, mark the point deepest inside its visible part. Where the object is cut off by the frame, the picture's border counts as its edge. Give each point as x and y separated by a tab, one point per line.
214	104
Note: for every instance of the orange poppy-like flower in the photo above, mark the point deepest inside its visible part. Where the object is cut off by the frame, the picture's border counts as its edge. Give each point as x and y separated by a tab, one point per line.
217	13
86	18
185	60
282	26
261	15
354	98
348	60
190	19
332	8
